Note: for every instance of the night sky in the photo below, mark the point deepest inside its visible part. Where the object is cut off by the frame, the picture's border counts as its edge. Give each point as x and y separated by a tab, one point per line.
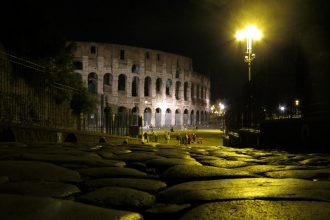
292	60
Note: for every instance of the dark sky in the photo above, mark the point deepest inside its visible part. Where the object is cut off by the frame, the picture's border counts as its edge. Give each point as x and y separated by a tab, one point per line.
204	30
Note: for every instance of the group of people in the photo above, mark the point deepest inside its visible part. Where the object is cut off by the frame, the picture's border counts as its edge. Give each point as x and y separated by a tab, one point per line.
146	137
187	138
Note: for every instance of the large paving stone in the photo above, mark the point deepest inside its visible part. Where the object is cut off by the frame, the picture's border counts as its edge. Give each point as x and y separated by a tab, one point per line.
143	147
112	172
259	209
35	170
258	169
246	188
140	184
119	196
199	172
224	163
230	154
3	179
47	189
106	154
137	156
15	207
198	152
169	162
282	159
180	154
301	174
316	161
63	158
167	208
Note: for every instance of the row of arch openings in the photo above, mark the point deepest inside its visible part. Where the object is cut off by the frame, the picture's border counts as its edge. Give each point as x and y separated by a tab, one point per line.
108	81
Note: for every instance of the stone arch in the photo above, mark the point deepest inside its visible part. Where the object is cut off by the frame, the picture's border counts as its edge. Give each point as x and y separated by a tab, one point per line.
185	117
147	86
92	82
202	117
197	93
135	116
122	110
135	86
122	82
158	117
185	91
77	65
159	86
202	92
177	89
107	79
192	92
7	135
107	82
122	120
102	140
107	117
192	117
92	120
177	117
197	117
168	117
71	138
147	117
168	87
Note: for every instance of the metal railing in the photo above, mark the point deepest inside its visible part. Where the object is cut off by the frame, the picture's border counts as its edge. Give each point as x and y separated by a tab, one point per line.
26	98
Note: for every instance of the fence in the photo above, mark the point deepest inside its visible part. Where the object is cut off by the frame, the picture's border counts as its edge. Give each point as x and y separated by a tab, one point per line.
27	99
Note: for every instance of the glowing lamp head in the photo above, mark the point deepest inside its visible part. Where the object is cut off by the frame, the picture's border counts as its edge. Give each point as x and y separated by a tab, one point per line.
250	32
282	108
221	106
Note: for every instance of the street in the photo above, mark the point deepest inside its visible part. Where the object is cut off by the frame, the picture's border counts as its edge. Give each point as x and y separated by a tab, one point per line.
161	181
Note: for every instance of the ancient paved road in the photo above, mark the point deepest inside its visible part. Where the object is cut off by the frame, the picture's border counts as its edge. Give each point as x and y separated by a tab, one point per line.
160	182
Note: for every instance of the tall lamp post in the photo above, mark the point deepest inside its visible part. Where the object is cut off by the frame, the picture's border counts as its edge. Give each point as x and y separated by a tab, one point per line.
222	116
250	33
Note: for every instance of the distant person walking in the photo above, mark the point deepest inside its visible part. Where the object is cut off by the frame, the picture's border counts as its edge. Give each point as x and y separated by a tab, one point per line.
178	138
156	137
194	137
146	138
167	137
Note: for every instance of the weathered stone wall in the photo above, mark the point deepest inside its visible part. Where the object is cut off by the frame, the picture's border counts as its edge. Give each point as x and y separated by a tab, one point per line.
187	103
35	134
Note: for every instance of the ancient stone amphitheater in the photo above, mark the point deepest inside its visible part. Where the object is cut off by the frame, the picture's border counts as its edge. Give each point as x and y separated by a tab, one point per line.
160	87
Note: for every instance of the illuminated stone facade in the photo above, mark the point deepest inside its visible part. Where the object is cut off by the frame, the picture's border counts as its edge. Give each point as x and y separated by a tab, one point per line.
159	86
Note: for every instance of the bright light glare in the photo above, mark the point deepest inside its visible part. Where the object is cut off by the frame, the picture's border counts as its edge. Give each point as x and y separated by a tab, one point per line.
250	32
240	35
222	106
282	108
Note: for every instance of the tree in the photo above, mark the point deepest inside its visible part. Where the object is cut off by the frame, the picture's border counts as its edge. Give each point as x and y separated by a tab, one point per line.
54	54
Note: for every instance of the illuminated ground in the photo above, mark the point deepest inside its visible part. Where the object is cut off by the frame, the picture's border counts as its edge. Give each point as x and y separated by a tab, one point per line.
161	181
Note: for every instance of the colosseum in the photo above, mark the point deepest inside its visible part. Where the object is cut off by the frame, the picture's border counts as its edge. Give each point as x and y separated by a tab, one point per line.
160	87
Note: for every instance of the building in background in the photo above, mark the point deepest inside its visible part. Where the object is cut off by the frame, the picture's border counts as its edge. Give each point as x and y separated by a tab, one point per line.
159	87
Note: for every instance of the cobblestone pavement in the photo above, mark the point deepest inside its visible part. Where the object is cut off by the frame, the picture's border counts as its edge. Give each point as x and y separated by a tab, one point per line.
51	181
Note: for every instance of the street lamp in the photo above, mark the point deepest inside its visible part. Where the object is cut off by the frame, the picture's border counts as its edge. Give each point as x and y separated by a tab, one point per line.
250	33
222	115
282	109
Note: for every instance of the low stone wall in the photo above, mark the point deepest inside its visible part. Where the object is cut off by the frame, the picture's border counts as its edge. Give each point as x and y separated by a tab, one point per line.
304	134
35	134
